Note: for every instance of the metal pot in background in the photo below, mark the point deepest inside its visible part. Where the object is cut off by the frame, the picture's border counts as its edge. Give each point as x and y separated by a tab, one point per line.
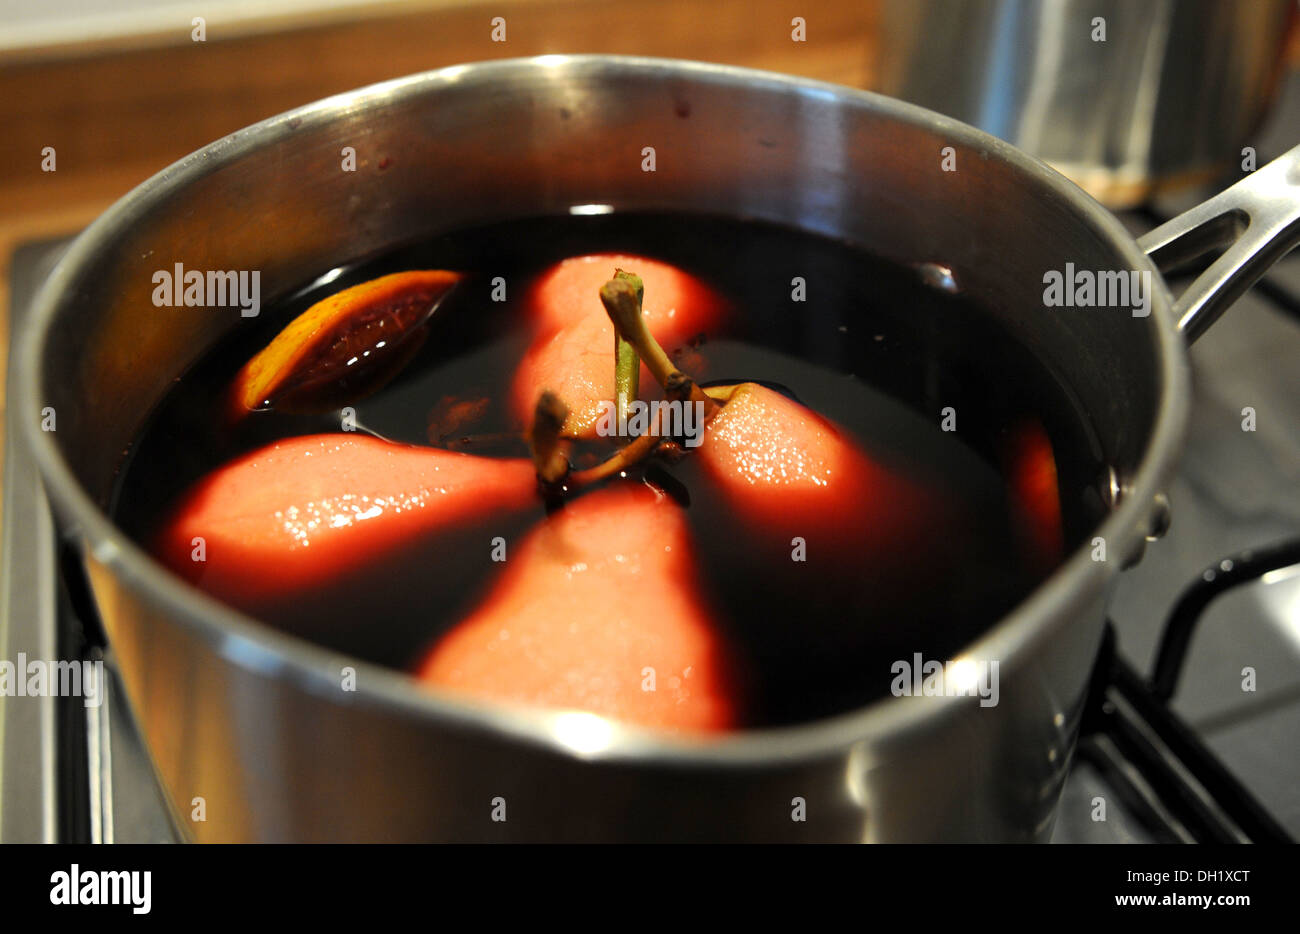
1169	97
254	722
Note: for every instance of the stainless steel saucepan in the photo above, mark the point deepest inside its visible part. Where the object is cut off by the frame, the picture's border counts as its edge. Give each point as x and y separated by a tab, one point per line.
253	722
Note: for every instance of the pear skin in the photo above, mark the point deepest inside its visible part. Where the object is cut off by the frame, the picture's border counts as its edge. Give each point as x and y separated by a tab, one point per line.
599	610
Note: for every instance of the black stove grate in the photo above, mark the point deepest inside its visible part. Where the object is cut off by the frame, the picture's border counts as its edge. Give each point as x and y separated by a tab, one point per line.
1177	787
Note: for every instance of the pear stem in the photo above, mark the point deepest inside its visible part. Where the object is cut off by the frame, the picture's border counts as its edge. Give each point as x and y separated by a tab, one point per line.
626	456
622	299
721	394
627	365
619	299
550	453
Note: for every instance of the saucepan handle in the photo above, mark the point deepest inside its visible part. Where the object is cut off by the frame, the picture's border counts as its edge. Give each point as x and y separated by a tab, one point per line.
1255	223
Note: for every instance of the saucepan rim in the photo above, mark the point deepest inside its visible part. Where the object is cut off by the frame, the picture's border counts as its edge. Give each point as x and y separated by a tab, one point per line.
243	641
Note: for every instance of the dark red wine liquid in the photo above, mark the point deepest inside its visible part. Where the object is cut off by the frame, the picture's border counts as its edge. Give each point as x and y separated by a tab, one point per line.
874	347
